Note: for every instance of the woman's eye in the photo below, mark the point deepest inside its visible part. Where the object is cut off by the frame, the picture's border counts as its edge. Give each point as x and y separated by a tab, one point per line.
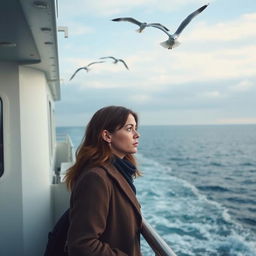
129	129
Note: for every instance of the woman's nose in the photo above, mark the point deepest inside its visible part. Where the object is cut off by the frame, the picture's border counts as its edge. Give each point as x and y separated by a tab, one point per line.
136	134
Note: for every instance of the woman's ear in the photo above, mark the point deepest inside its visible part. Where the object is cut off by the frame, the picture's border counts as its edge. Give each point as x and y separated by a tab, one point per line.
106	135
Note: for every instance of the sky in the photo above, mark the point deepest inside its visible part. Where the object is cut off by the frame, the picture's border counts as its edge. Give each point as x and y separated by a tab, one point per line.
210	78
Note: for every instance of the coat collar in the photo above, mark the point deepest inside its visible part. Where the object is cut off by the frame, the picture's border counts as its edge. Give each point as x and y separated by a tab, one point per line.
123	184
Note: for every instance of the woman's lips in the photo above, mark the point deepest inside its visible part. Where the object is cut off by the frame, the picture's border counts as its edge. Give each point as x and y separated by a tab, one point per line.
136	144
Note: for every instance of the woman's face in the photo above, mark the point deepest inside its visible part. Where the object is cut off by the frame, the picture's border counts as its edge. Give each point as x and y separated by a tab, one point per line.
125	140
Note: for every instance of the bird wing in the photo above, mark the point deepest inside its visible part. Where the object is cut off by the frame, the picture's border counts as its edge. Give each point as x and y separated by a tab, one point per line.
108	57
124	63
95	62
129	19
161	28
185	22
158	25
77	71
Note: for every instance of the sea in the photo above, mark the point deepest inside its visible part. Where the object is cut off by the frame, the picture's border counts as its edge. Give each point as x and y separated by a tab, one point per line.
198	188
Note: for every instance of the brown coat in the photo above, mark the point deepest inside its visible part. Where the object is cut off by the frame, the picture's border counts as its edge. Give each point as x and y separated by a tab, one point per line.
105	216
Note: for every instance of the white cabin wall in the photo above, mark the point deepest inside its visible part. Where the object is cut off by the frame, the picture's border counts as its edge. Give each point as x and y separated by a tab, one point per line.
11	213
36	167
52	130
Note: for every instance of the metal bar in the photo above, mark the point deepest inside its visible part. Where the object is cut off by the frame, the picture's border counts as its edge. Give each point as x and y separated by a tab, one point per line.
158	245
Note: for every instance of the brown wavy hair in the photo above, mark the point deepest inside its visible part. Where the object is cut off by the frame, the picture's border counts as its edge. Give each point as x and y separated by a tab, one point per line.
93	150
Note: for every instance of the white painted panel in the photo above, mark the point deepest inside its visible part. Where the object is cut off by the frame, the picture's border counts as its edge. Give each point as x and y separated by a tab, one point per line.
36	177
11	212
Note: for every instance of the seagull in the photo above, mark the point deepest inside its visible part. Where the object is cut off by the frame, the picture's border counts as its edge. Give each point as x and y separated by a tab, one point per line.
142	25
115	60
85	68
172	40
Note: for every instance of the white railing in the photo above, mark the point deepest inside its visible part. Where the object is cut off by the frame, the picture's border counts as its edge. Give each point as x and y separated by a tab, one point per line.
64	156
65	141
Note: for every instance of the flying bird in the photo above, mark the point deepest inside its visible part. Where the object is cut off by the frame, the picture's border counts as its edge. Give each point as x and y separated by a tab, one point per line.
115	60
142	25
172	40
85	68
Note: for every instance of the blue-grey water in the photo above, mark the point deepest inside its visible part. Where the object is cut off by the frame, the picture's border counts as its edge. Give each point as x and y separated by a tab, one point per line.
198	188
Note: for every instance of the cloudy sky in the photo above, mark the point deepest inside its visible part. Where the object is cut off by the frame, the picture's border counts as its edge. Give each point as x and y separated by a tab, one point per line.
209	79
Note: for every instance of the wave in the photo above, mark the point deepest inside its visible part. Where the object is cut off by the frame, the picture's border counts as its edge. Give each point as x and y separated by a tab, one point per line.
241	200
252	209
249	221
247	164
213	188
216	164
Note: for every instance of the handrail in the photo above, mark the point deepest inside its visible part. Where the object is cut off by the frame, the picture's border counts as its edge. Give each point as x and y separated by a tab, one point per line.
64	156
158	245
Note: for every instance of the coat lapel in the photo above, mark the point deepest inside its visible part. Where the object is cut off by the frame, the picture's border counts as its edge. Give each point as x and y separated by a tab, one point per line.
124	186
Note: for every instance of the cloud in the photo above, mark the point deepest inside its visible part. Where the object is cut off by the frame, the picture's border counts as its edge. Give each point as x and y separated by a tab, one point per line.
217	64
242	86
79	29
140	98
114	7
179	68
238	120
239	29
210	94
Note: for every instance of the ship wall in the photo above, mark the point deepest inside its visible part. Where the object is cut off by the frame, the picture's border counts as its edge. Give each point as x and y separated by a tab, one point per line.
25	187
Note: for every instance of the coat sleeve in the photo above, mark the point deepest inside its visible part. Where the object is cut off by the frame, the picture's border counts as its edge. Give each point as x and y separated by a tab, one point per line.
88	216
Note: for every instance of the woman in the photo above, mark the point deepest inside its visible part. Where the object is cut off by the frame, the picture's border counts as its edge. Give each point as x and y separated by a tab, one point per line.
105	217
